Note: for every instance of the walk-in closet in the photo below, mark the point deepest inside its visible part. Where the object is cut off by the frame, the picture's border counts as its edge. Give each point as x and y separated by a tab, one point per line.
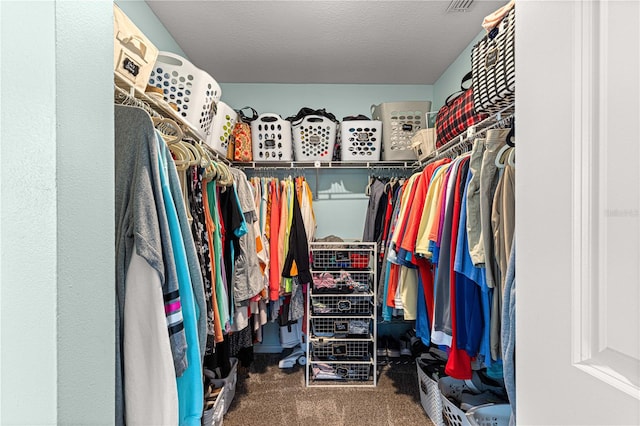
312	212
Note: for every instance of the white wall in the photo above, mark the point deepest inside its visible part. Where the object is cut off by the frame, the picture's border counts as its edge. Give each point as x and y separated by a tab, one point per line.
449	81
339	99
56	221
147	21
344	217
28	220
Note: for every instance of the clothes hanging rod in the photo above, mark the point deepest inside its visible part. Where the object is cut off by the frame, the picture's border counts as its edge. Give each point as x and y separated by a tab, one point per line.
292	165
157	109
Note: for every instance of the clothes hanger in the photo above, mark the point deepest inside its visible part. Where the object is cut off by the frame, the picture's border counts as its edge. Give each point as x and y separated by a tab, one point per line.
511	160
182	157
196	157
501	157
225	178
511	137
367	189
171	132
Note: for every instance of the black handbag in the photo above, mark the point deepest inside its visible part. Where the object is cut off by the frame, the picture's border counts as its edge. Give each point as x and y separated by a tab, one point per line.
493	66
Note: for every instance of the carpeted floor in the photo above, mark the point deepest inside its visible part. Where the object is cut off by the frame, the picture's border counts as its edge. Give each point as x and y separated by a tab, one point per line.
266	394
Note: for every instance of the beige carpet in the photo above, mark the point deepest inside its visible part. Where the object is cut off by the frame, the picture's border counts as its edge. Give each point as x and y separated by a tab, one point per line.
268	395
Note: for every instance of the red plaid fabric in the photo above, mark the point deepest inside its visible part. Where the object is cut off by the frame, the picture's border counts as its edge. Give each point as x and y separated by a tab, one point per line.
455	117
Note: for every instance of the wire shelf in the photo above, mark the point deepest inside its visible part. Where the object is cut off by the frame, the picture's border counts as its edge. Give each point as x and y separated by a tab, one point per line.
351	305
342	350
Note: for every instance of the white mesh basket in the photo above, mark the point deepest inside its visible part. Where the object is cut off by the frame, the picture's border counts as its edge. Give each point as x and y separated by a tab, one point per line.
271	138
223	122
400	121
430	396
342	350
313	138
453	415
489	415
361	140
193	91
340	371
348	305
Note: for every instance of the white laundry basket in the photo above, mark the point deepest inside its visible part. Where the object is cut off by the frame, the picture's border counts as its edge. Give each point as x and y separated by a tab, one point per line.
400	121
271	138
360	140
429	396
193	91
224	120
314	138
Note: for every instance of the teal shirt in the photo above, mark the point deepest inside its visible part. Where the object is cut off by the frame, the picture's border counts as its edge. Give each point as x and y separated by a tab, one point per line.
190	386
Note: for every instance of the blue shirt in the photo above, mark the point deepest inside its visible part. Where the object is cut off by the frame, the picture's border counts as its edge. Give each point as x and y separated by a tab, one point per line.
189	384
474	293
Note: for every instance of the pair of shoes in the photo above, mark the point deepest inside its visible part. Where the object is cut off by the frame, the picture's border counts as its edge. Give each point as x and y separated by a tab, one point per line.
393	347
381	349
405	347
416	345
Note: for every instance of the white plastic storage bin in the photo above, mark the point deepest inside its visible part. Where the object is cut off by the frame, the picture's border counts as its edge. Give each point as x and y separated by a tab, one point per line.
271	138
489	415
193	91
429	396
361	140
133	53
213	416
400	121
228	385
313	138
224	120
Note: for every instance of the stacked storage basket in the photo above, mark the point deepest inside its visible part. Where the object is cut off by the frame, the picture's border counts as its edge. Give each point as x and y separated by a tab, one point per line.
134	55
224	119
271	138
361	140
314	137
193	92
400	121
341	318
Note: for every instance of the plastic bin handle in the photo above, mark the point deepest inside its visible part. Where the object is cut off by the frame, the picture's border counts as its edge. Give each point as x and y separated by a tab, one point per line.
269	116
141	47
170	59
313	119
373	107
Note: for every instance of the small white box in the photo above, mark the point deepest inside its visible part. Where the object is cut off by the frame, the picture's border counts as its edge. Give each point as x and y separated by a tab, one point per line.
423	143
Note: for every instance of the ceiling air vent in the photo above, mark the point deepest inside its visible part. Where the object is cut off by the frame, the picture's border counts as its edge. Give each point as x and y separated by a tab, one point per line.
459	6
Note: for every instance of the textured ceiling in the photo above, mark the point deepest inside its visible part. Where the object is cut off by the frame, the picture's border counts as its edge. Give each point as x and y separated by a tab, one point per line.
375	42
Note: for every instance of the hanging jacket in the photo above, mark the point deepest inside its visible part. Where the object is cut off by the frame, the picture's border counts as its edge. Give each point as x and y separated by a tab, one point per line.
298	247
